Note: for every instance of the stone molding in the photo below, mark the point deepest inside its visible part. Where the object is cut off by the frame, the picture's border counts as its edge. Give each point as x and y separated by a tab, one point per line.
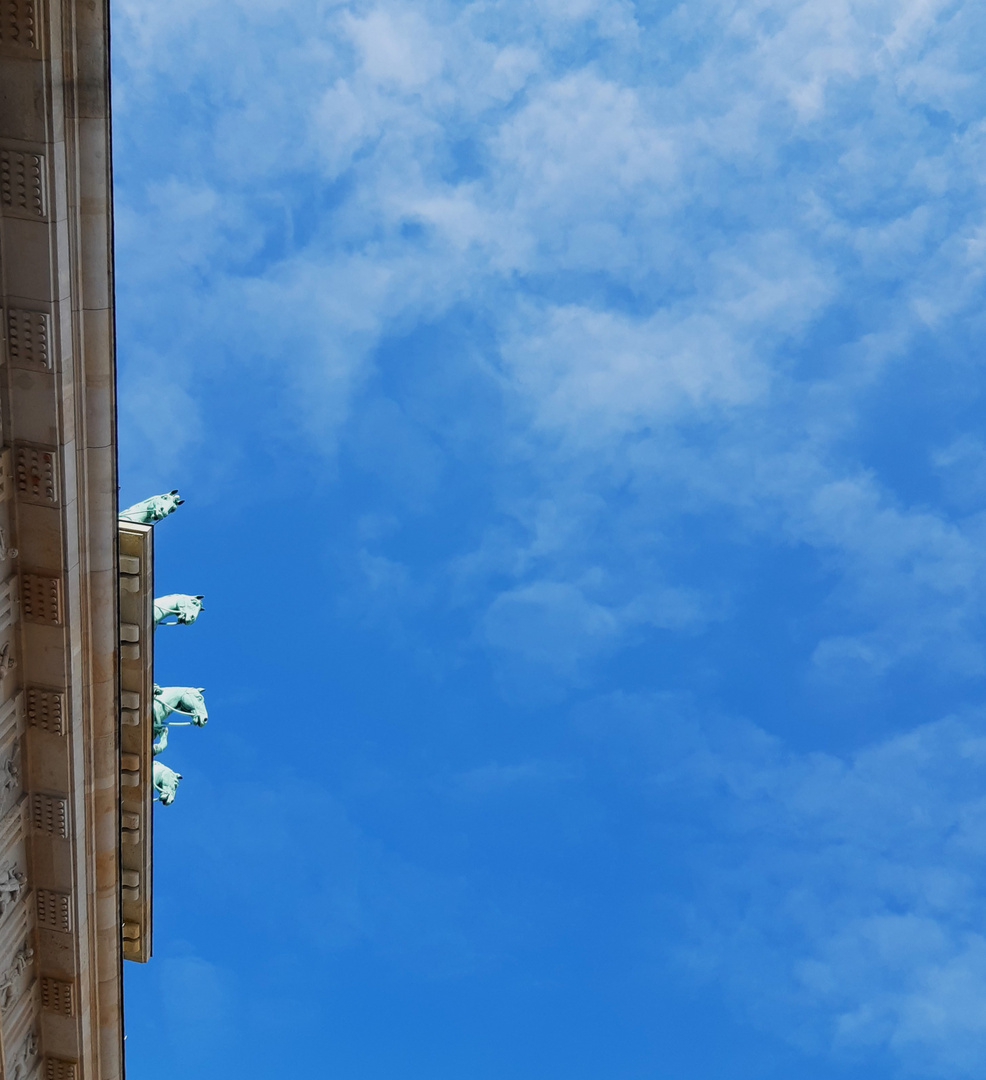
61	923
136	719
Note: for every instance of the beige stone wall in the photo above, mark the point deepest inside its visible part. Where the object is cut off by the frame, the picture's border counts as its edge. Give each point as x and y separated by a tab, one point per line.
60	953
137	717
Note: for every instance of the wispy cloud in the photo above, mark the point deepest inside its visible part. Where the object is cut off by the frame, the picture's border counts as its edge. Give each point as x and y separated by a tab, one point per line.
711	281
841	901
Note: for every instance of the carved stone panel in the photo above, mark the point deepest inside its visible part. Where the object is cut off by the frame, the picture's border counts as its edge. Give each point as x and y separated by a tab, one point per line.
29	338
41	599
46	709
19	24
58	996
16	975
54	910
37	476
49	814
58	1069
22	184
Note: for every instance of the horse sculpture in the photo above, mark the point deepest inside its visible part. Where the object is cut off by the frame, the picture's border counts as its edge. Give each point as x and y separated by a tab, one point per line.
165	782
153	509
184	700
183	607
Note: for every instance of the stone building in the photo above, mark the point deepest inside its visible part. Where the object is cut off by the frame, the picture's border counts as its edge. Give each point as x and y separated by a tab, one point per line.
74	697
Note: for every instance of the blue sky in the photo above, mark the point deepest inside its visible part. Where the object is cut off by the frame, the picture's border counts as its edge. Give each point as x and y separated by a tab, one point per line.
579	406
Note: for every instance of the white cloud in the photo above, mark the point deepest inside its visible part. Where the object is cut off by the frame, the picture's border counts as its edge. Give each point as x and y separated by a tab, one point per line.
550	623
700	246
652	244
849	911
396	46
835	899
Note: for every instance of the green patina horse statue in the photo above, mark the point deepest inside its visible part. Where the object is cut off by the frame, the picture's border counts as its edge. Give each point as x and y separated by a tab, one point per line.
183	700
152	509
165	783
183	607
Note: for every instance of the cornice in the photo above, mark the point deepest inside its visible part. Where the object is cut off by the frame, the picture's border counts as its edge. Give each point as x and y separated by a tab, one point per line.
58	509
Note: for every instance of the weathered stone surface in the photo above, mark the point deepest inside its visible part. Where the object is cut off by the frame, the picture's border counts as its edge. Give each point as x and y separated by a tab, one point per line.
61	925
137	700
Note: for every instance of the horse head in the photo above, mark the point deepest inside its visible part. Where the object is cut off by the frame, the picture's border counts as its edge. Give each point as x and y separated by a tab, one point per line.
153	509
193	702
184	700
184	608
165	782
189	609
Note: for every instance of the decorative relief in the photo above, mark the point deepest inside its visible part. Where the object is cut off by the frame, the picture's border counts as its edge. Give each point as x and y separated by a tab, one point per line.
8	594
41	599
49	814
12	884
10	777
10	711
59	1069
45	709
57	996
19	23
22	183
7	661
10	773
6	551
37	479
21	962
29	338
23	1064
54	910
